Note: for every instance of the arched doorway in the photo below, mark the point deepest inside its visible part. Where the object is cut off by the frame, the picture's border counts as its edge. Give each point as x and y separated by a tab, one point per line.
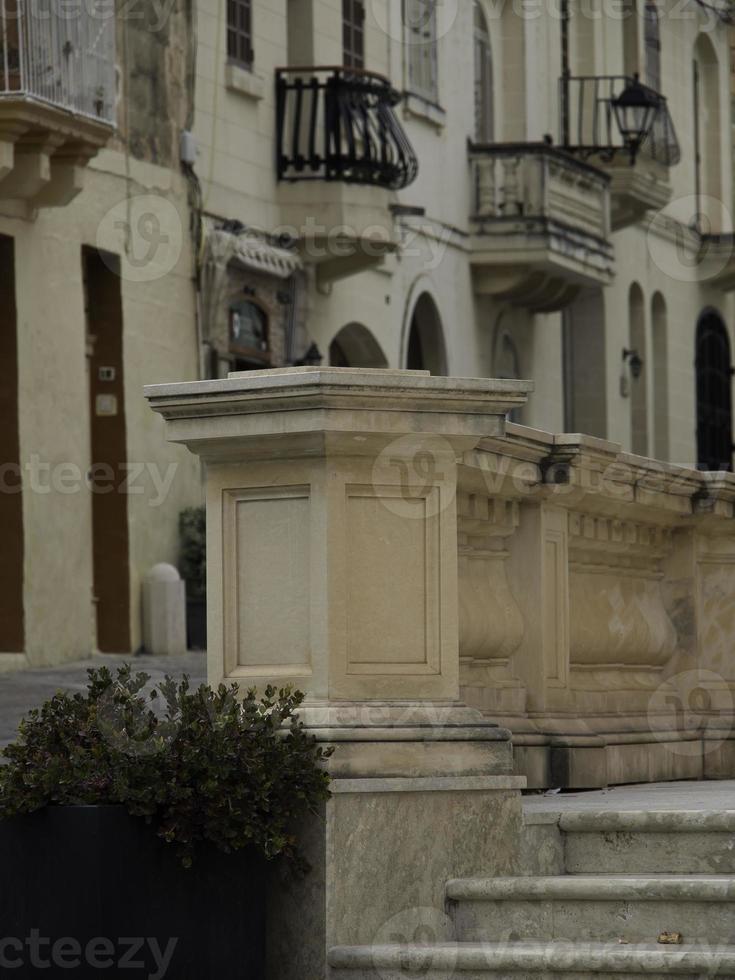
714	394
507	364
425	350
638	382
355	346
484	82
660	356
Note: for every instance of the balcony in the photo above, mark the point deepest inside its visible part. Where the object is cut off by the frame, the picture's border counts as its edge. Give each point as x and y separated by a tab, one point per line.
540	225
590	131
341	153
57	98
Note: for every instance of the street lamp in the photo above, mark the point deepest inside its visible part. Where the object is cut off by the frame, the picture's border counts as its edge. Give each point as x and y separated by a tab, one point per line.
635	112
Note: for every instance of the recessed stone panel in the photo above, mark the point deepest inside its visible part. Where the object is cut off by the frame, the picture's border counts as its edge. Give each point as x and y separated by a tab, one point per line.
392	602
267	610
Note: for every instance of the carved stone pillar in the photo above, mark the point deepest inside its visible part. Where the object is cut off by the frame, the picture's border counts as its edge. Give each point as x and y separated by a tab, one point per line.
332	566
490	622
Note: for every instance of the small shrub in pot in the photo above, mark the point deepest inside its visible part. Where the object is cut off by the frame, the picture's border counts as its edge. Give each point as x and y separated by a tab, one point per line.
175	797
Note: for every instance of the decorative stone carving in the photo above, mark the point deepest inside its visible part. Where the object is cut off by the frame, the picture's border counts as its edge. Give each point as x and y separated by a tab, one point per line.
618	614
490	622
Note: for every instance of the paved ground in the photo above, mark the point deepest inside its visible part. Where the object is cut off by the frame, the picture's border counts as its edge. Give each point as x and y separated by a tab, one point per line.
26	689
710	795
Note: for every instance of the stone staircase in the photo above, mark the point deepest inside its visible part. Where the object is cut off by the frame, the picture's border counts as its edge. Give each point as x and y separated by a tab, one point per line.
595	890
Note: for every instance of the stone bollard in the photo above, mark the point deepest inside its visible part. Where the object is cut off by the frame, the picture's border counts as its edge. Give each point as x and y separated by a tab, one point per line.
164	611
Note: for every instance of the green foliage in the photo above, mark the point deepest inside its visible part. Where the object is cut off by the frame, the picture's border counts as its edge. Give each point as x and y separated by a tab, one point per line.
200	765
193	556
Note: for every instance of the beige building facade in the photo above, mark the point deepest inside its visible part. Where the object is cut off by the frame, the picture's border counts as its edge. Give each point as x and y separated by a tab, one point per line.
527	246
442	187
96	275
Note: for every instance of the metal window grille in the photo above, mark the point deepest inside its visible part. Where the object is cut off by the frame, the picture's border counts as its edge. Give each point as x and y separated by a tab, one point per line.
240	32
353	33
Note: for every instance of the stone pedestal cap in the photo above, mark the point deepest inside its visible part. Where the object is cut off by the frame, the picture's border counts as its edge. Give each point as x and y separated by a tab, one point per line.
310	410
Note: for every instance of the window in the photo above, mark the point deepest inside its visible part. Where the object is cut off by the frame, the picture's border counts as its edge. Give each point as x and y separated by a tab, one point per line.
714	394
653	46
240	32
353	33
484	98
419	18
248	336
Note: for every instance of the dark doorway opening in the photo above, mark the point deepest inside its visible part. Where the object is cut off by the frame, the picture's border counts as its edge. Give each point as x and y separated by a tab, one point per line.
714	394
12	627
110	536
425	350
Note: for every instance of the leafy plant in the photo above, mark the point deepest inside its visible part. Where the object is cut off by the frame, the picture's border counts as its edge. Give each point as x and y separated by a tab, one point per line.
193	556
200	765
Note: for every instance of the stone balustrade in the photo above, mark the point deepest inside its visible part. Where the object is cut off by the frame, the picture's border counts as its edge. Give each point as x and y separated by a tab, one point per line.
597	608
386	542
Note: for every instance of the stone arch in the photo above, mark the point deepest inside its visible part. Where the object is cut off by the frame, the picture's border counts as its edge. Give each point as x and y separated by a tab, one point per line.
425	346
660	376
355	346
714	393
507	362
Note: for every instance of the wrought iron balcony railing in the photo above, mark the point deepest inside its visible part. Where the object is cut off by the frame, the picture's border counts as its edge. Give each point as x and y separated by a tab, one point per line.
588	124
65	58
339	124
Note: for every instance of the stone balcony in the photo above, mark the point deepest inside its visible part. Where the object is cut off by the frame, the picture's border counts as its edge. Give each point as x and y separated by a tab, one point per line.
341	155
540	225
57	101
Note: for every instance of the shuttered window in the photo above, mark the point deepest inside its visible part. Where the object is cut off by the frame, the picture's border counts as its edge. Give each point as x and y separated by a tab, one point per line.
240	32
353	33
419	18
653	47
484	95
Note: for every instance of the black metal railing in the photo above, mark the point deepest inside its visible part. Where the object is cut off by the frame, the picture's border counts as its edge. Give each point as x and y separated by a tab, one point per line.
589	127
339	124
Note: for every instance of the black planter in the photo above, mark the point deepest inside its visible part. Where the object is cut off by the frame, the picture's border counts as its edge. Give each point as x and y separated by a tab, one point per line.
196	623
118	896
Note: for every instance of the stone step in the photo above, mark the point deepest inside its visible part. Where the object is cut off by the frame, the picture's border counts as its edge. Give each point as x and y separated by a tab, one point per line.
680	842
593	908
537	960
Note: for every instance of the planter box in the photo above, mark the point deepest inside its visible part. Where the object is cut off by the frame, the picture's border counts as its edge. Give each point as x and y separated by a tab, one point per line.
90	891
